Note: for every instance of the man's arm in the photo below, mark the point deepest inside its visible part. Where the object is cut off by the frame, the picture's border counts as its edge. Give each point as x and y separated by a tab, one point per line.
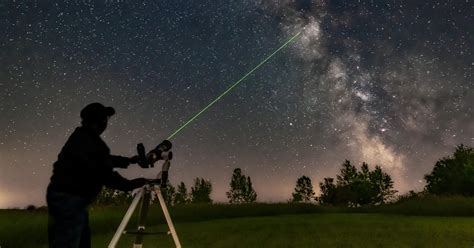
114	161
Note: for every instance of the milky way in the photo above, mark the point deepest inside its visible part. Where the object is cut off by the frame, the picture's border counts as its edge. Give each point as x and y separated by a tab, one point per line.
389	83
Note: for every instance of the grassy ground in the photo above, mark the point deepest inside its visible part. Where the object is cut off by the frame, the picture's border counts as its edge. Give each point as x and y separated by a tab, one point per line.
406	224
319	230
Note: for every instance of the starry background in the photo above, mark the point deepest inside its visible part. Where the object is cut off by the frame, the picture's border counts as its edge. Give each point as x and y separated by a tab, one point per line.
386	82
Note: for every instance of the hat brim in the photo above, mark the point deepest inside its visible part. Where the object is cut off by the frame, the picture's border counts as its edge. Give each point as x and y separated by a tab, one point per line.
109	111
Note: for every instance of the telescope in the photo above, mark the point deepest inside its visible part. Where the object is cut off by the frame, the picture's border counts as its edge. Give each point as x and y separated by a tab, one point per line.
161	152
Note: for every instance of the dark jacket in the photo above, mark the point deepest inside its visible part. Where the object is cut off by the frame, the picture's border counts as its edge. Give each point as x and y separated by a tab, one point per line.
84	165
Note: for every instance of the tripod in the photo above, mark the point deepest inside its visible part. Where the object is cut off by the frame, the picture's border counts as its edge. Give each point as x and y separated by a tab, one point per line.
143	196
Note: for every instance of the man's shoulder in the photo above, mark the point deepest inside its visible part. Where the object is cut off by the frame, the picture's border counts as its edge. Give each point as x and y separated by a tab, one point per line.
84	138
79	136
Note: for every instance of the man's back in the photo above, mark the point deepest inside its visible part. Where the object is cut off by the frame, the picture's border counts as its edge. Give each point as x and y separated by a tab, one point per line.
81	167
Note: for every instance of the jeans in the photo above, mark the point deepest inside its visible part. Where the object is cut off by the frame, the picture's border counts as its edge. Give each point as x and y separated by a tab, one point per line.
68	222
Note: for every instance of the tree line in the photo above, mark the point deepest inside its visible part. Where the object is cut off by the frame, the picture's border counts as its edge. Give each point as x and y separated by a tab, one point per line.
241	191
451	175
352	187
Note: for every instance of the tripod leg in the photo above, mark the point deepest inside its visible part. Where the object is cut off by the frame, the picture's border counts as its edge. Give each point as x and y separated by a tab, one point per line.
126	218
142	215
168	218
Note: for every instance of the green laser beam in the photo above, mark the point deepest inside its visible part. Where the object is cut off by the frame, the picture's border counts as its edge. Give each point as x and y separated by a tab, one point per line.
233	86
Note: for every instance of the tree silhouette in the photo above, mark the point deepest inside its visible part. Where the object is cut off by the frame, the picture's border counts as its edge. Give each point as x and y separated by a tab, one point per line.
108	196
201	191
348	174
328	191
181	196
250	194
453	174
355	188
364	171
303	190
241	189
382	185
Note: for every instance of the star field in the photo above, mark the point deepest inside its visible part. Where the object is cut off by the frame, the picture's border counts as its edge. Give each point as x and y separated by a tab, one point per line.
389	83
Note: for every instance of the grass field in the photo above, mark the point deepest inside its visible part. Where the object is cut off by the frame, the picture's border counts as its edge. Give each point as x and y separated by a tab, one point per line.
271	225
321	230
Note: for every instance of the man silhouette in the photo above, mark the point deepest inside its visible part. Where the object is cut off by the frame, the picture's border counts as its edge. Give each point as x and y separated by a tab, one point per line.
84	165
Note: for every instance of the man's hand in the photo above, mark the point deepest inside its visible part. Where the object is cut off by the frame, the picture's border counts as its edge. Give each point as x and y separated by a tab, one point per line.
134	160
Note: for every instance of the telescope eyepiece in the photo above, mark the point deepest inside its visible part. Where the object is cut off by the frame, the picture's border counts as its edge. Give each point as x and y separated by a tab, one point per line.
142	159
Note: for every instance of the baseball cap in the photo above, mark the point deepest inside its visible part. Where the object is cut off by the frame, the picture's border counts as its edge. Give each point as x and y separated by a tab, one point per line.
96	112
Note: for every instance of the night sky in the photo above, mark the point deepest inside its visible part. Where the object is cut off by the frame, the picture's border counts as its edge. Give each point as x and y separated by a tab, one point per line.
386	82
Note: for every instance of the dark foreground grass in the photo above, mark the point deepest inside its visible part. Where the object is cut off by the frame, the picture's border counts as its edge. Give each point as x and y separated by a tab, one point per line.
319	230
435	223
